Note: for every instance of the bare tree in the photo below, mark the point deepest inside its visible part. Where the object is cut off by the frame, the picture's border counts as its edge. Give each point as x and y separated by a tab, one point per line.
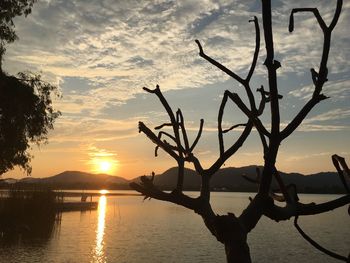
232	230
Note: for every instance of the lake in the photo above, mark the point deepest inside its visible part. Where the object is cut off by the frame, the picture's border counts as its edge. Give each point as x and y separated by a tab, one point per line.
127	229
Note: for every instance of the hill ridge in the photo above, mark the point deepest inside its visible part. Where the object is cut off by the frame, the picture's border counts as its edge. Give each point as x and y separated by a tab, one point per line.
226	179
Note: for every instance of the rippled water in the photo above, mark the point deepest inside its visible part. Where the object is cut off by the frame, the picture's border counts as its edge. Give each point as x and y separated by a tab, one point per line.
125	229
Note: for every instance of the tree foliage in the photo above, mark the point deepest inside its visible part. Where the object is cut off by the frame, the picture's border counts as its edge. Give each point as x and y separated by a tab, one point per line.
26	116
9	9
26	111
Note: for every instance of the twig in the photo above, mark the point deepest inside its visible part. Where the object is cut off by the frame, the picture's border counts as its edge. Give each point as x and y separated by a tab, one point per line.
198	135
316	245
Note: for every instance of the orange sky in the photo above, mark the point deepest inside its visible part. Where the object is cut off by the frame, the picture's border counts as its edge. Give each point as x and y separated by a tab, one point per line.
102	59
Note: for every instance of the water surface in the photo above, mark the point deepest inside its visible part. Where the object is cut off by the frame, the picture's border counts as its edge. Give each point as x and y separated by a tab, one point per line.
126	229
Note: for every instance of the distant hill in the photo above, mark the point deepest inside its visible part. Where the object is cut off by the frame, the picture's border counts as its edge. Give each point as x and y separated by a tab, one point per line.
77	180
72	177
226	179
231	179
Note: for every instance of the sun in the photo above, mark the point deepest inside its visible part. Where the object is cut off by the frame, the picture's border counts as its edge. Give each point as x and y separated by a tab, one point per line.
104	166
102	161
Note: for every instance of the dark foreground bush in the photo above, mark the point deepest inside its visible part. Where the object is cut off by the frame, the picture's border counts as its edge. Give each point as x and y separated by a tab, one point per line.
27	214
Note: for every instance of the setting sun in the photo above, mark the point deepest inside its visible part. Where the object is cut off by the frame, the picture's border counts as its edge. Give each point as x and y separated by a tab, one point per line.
105	166
102	161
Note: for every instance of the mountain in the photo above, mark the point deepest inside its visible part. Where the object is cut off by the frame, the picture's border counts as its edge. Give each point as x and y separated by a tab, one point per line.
226	179
231	179
73	177
8	181
77	180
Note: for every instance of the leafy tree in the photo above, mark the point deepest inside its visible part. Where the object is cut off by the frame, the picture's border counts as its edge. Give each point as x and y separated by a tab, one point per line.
9	9
26	111
232	230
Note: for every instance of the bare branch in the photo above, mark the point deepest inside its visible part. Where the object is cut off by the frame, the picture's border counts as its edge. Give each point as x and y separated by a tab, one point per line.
163	125
314	76
166	134
232	150
282	186
264	143
245	82
181	122
180	175
220	116
199	134
316	245
240	104
318	17
176	198
336	14
340	161
323	207
160	137
234	127
318	78
278	213
197	165
298	119
164	103
272	65
263	202
312	10
217	64
170	112
263	100
257	48
153	91
143	128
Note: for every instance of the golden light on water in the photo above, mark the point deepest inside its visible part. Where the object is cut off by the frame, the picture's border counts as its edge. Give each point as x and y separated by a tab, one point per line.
103	192
100	231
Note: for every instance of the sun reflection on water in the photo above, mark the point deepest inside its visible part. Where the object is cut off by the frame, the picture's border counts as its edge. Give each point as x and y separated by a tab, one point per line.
99	256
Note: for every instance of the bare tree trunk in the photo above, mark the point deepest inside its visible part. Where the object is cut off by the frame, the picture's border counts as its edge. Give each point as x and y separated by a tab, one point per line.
237	252
229	230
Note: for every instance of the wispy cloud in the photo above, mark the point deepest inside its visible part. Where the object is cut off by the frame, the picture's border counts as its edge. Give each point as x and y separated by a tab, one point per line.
336	114
123	46
102	52
337	90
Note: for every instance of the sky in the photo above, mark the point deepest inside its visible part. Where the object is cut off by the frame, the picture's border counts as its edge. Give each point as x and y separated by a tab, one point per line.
101	53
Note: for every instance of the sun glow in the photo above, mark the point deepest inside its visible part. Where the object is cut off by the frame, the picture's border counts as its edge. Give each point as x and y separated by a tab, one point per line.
102	161
105	166
103	192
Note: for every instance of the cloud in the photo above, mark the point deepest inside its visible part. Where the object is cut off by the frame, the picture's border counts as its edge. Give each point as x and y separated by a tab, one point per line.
318	128
121	46
336	89
86	129
333	120
313	155
336	114
102	52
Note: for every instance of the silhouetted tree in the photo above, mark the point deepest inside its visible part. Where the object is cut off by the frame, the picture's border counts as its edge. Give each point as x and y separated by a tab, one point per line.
232	230
9	9
26	111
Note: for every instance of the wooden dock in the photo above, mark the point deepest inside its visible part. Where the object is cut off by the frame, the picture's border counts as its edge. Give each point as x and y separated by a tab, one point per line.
85	202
